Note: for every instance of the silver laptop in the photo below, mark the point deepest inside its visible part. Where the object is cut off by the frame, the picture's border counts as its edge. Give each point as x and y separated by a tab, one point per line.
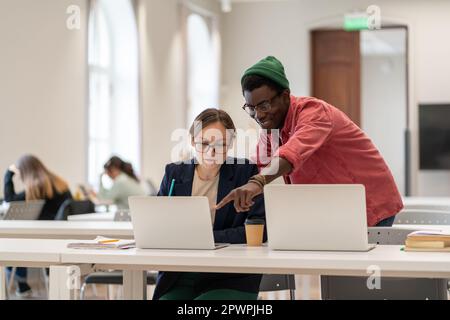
172	223
316	217
24	210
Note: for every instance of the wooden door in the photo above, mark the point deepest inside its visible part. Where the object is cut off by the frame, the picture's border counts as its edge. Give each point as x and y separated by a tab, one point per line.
336	65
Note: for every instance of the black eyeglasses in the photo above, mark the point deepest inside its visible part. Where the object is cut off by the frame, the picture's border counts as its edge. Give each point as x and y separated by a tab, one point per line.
204	147
263	106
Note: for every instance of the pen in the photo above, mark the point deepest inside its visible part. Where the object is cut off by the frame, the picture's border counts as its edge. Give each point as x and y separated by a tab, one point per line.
108	241
171	187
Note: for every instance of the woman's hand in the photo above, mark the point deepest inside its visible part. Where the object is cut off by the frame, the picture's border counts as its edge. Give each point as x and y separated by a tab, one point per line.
242	197
13	169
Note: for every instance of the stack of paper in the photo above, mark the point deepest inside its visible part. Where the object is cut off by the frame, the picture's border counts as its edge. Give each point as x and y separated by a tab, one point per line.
103	243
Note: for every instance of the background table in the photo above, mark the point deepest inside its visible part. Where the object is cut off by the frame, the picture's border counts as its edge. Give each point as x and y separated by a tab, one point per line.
103	216
39	229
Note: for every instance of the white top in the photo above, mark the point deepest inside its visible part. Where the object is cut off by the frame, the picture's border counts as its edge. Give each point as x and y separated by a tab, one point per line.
122	188
206	188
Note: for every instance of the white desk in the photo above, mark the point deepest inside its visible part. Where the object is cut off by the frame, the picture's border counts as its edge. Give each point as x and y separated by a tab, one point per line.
64	229
27	253
103	216
66	265
25	229
241	259
236	258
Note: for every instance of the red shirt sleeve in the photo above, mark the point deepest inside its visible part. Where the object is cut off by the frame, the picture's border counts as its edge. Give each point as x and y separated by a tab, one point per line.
312	128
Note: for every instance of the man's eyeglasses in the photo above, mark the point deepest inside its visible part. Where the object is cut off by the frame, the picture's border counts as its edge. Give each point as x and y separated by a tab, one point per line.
205	147
263	106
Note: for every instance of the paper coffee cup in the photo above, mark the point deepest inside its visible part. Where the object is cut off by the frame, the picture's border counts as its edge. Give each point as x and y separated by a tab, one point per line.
254	231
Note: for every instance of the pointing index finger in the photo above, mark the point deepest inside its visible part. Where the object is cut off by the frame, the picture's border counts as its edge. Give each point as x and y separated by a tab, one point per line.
228	198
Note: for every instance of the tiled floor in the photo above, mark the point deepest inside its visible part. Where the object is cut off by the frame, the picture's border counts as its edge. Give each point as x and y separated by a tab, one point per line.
307	287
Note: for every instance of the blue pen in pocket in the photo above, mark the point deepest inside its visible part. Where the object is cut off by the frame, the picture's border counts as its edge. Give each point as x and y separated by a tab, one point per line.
171	187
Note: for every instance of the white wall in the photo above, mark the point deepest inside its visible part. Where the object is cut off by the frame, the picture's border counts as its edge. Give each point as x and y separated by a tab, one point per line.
163	95
383	109
43	86
256	29
43	71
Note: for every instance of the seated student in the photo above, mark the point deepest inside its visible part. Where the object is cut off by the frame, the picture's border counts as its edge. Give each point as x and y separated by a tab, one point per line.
125	183
208	175
40	184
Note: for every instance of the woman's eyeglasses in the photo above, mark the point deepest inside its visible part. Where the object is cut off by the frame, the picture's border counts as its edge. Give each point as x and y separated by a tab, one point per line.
205	147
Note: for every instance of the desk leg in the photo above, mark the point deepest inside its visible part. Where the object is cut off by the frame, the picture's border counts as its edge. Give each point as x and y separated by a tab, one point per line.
64	282
134	285
306	286
3	294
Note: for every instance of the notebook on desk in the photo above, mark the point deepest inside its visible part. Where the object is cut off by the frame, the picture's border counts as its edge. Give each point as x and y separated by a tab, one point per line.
103	243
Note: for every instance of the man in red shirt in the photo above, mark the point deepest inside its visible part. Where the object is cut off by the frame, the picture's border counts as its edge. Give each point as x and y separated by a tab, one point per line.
315	143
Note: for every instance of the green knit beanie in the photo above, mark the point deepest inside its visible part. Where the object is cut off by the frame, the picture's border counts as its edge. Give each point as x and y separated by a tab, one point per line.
269	68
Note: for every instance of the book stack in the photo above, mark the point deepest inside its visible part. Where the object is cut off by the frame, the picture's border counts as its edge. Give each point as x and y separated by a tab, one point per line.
437	241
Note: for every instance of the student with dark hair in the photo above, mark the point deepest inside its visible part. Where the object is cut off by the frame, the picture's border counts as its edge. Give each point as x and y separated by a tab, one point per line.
308	141
125	183
211	174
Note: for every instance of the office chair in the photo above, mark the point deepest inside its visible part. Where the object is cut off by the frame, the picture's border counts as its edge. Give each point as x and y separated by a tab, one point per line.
71	207
113	277
423	216
278	282
24	210
122	215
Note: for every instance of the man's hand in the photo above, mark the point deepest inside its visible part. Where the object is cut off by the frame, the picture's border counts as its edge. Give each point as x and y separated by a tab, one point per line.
242	197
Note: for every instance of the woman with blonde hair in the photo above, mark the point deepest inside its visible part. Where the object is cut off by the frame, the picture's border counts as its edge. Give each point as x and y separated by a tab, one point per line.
39	184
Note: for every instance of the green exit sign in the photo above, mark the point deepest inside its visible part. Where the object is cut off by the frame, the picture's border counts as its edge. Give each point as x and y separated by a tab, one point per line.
356	22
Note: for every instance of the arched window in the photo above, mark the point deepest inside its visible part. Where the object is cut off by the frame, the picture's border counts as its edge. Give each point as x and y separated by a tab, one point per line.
113	85
203	65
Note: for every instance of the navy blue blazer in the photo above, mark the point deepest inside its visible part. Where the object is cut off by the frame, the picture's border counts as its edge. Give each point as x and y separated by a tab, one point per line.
228	224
